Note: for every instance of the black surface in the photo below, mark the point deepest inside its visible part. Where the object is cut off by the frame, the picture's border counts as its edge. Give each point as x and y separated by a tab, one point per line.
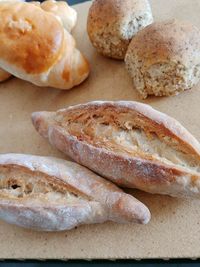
127	263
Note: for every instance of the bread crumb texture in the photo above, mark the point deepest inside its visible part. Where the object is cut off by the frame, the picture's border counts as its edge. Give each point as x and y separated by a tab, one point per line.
112	24
163	60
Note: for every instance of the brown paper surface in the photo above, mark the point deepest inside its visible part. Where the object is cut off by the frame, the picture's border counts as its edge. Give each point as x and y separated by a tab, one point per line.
174	230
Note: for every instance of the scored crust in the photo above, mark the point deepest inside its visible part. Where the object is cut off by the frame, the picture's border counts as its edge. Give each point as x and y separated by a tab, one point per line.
60	195
169	164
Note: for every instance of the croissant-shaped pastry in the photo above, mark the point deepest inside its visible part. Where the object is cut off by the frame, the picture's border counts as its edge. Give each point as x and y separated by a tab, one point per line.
50	194
63	12
36	48
128	142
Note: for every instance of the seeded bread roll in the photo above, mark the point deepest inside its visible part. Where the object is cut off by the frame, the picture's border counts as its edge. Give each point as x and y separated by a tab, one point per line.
112	24
163	59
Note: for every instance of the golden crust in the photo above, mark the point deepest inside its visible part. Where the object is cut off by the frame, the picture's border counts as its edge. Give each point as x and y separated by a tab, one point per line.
63	11
4	75
35	33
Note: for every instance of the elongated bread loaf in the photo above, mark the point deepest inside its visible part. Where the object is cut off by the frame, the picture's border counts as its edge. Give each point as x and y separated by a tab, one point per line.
35	47
50	194
128	142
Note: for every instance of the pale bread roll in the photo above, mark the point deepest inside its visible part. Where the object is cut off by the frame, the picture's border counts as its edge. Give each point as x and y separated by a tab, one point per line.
50	194
163	59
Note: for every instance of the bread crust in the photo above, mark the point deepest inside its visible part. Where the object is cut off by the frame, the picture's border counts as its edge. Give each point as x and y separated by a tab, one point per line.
66	14
173	40
142	171
109	21
4	75
168	65
44	56
96	200
39	48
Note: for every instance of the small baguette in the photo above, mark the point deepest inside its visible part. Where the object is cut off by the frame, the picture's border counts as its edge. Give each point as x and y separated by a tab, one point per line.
50	194
130	143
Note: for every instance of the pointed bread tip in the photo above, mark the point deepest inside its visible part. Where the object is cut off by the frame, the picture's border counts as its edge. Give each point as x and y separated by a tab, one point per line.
41	121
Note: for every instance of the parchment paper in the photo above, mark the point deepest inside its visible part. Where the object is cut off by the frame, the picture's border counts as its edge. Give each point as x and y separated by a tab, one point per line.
174	230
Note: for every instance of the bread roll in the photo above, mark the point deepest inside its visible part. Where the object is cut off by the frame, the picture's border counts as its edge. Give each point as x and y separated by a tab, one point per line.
129	143
63	12
36	48
112	24
66	14
4	75
50	194
163	59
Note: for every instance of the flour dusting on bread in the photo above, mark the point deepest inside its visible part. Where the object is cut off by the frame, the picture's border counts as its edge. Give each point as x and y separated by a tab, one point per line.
127	142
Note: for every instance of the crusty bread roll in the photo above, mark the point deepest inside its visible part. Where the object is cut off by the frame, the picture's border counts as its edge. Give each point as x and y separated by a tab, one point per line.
163	60
36	48
129	143
112	24
50	194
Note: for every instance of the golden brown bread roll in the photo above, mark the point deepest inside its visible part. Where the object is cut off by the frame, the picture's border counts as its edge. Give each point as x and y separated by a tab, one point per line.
63	12
130	143
36	48
51	194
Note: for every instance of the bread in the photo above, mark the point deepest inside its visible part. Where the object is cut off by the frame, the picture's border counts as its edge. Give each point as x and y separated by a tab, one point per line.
37	49
112	24
127	142
50	194
4	75
163	60
66	14
63	12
